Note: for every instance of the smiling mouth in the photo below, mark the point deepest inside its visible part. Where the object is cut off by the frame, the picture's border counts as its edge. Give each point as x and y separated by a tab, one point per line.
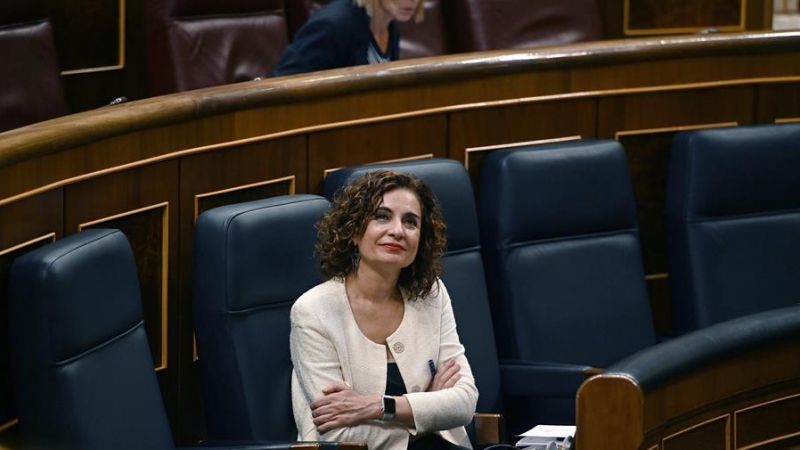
393	247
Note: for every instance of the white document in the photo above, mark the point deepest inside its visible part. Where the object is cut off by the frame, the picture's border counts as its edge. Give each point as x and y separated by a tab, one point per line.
540	435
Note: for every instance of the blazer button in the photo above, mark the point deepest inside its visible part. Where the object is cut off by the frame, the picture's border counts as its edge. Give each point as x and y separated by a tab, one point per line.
398	347
415	388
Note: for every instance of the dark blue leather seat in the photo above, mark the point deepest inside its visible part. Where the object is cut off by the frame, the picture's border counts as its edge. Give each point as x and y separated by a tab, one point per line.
733	223
563	262
463	274
82	368
252	261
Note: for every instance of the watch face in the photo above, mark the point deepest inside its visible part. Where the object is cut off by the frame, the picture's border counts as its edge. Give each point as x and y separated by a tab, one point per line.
388	405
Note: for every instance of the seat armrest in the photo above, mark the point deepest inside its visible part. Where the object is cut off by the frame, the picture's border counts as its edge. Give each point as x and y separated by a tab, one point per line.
269	445
535	379
489	428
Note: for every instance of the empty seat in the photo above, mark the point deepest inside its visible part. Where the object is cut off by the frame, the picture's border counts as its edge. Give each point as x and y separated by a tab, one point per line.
252	261
30	77
563	261
193	44
733	223
481	25
430	37
82	368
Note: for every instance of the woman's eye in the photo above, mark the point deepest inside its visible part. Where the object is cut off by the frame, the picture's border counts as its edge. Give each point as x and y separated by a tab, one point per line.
381	216
411	222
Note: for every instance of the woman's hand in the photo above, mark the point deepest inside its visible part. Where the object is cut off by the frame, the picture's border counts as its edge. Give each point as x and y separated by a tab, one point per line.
446	377
340	406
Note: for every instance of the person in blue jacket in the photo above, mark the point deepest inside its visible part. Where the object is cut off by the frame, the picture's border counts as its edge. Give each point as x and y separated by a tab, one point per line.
348	33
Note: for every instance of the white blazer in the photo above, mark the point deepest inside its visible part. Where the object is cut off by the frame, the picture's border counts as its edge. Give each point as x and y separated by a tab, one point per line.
328	347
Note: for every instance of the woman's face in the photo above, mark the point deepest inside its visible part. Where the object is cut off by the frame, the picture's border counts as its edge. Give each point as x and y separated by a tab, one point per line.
399	10
392	236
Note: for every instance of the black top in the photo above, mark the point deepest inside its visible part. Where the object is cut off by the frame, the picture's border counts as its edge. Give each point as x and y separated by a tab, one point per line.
394	381
338	35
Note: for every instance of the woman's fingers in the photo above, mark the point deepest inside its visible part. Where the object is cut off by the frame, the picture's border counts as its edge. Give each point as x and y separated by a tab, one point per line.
447	376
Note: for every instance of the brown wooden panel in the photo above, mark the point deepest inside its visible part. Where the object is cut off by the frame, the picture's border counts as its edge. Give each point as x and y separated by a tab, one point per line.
510	124
87	32
142	203
777	102
374	142
673	109
711	435
659	16
245	193
215	178
768	422
27	225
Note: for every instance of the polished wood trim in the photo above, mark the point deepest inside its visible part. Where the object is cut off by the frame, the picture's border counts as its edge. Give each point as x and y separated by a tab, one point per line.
759	444
290	178
487	148
49	236
680	30
358	122
725	417
7	425
91	126
387	161
623	133
164	267
788	120
656	276
120	49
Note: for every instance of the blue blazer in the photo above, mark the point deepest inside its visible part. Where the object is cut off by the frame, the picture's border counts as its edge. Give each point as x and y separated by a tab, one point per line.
337	35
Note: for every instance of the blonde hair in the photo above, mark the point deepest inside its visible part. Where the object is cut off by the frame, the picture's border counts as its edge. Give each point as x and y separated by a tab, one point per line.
369	5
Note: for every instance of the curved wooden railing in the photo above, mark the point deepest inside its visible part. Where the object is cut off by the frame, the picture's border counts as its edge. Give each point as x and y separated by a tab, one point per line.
150	166
735	385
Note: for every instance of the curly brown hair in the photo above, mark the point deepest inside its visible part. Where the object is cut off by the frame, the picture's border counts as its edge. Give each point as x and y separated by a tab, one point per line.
355	205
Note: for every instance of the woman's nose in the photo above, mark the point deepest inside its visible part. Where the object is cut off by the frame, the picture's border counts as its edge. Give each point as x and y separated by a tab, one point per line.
397	228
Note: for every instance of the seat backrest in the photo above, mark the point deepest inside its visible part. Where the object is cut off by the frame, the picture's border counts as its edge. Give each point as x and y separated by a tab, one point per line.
193	44
252	261
462	263
30	76
562	253
502	24
81	364
430	37
733	223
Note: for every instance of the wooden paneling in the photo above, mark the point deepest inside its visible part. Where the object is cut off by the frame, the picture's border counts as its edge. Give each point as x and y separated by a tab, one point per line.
711	435
768	422
508	124
683	16
374	142
142	202
777	102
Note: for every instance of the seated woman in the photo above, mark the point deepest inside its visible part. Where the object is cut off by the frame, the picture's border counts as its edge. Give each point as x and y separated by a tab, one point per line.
348	33
376	355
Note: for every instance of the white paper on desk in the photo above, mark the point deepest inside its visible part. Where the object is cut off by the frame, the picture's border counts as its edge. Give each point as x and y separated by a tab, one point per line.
542	434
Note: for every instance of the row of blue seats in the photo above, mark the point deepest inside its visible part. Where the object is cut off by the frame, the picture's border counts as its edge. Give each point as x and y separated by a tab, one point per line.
545	274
